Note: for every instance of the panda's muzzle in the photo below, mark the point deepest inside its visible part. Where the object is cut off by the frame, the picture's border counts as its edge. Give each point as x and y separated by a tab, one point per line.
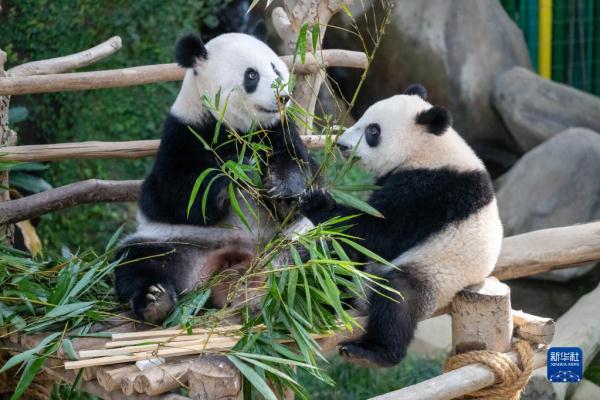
344	149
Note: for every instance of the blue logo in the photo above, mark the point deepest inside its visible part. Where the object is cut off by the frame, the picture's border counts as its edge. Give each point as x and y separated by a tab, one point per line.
565	364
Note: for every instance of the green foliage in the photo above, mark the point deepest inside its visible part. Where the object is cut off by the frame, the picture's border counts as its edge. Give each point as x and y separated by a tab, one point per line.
40	29
356	383
592	373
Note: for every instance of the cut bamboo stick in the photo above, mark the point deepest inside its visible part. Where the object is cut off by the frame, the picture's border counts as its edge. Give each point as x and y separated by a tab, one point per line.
173	332
162	339
208	343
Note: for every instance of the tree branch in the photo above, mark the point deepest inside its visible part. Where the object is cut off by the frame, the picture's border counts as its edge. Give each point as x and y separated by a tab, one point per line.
18	85
88	191
70	62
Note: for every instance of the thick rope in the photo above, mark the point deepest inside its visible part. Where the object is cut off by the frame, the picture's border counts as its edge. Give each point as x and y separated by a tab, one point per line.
510	378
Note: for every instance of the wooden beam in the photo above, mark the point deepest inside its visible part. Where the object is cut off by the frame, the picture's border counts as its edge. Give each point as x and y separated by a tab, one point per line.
457	383
18	85
70	62
103	150
548	249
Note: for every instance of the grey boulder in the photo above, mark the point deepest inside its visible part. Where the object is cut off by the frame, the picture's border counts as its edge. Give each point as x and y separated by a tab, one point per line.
555	184
535	109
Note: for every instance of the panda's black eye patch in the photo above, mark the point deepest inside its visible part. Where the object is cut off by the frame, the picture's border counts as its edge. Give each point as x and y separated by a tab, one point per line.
372	134
251	78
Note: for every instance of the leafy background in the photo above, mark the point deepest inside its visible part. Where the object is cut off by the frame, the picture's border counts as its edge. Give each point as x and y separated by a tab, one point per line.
39	29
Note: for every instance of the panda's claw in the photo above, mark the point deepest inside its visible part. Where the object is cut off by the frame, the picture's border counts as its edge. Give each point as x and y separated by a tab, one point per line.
150	297
154	289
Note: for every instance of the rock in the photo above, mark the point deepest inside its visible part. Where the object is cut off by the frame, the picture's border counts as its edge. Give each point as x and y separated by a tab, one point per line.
455	48
536	109
555	184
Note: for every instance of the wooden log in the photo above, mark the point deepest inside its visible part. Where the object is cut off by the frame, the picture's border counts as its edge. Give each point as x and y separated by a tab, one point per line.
586	390
127	383
162	378
547	249
69	62
214	377
578	327
19	85
110	377
88	191
481	318
103	150
532	328
455	384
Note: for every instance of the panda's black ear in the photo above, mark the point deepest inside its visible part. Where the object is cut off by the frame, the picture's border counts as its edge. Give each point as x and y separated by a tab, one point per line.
260	30
189	49
436	120
417	89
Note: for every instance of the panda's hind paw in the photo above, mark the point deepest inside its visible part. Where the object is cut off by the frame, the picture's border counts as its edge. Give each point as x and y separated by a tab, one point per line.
155	303
359	354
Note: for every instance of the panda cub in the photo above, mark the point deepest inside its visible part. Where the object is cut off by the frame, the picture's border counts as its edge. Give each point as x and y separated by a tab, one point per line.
441	226
173	251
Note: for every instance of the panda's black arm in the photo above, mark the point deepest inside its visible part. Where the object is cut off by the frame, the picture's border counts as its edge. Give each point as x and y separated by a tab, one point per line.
375	233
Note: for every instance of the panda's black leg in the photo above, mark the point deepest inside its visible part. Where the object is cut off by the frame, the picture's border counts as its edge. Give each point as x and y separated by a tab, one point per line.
154	303
391	323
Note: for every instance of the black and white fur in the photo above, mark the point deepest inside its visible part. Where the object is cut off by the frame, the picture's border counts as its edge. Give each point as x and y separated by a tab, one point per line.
441	226
171	251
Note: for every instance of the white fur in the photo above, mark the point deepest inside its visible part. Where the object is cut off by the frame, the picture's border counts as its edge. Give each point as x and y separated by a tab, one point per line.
463	253
229	56
405	144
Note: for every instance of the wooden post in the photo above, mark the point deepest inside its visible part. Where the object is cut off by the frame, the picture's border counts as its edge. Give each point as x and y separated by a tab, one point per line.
578	327
314	13
7	138
214	377
481	318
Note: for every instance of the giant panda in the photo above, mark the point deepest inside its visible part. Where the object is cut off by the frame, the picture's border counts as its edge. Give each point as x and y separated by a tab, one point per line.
441	226
172	251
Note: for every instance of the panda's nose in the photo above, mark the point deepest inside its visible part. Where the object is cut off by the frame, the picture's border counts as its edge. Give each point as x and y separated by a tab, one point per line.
342	147
283	99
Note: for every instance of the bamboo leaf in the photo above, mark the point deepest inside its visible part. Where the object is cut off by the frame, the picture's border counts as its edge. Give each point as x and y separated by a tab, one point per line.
196	188
29	354
355	202
255	379
31	369
236	206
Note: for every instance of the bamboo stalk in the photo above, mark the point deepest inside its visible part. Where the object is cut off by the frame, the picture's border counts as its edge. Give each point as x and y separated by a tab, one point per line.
19	85
161	339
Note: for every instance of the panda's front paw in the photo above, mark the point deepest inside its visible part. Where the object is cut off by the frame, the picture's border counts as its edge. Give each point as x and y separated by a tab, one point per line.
155	303
284	185
314	199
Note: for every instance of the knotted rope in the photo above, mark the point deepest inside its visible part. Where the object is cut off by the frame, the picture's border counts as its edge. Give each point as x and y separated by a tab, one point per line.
510	378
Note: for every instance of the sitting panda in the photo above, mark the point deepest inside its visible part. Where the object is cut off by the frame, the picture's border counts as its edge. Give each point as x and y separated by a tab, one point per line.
441	226
173	251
